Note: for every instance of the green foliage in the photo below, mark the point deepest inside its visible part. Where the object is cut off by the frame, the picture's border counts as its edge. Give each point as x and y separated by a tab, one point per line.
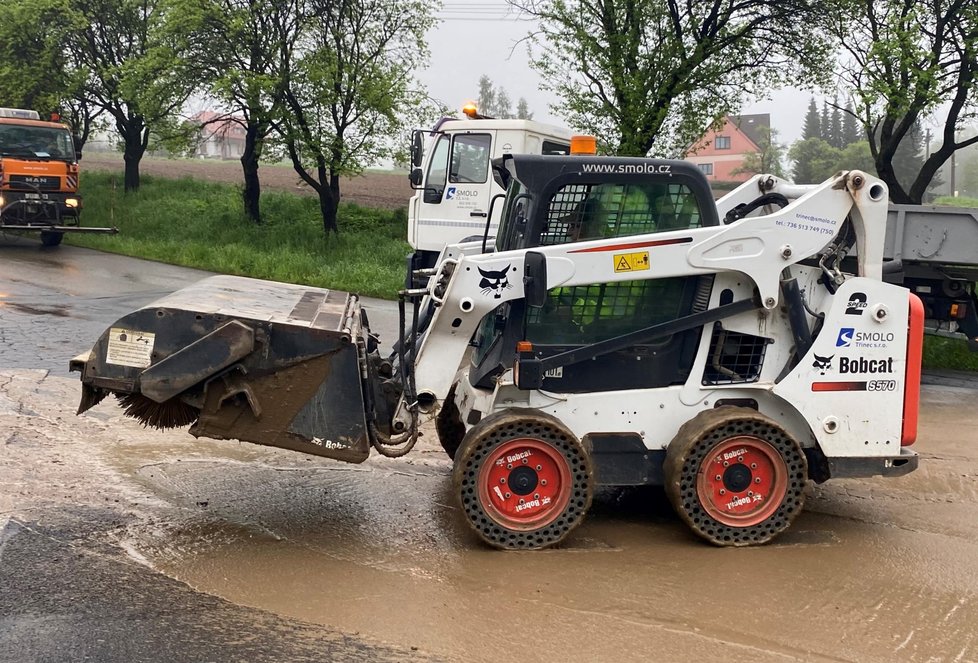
495	102
813	123
350	92
644	74
133	71
856	156
815	160
34	65
948	353
769	160
957	201
906	61
200	224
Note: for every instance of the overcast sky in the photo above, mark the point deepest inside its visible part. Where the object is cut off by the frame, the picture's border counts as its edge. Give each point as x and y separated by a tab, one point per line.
477	37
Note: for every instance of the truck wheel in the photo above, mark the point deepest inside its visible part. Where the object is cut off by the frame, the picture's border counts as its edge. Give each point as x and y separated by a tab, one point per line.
523	480
49	238
449	426
735	476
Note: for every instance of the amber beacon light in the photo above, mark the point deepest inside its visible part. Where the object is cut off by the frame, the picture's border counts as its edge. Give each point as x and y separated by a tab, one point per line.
583	145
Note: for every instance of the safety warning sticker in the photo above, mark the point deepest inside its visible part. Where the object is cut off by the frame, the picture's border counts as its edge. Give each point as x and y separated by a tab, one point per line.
631	262
128	347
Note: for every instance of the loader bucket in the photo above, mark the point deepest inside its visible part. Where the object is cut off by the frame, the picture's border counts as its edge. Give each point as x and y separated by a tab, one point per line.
270	363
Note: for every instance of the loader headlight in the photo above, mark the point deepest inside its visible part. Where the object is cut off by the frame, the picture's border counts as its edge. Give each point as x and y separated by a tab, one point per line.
71	202
2	201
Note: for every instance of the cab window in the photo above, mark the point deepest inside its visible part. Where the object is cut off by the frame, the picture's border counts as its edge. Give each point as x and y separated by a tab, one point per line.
580	212
585	314
434	184
470	158
553	147
36	142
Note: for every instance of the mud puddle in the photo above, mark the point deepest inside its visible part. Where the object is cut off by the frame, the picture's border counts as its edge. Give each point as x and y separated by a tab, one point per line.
874	570
57	311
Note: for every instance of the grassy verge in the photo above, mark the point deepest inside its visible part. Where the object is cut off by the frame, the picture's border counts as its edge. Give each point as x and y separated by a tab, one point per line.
200	224
949	353
957	202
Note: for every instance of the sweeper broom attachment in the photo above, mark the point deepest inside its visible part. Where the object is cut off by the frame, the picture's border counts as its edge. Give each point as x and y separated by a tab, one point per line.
276	364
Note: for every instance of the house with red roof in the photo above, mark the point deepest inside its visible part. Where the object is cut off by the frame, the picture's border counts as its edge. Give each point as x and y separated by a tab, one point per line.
221	136
721	152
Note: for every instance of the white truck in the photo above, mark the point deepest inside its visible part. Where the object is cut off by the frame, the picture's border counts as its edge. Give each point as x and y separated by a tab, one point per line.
453	180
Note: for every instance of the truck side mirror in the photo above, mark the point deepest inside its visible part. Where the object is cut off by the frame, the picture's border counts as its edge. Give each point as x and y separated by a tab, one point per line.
77	142
535	279
415	177
416	149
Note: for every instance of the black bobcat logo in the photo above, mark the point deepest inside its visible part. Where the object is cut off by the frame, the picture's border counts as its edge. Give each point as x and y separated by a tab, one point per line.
494	281
823	363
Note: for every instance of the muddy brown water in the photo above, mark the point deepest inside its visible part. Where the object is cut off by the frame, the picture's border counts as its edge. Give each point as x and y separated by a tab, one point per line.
873	570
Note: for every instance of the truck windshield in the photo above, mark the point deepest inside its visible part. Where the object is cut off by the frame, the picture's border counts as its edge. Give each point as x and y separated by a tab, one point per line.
33	142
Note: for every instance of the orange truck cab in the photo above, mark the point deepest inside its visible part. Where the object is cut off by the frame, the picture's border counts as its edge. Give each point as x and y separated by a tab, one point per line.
38	176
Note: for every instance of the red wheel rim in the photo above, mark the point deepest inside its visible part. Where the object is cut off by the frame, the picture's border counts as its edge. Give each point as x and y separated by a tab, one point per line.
524	484
742	481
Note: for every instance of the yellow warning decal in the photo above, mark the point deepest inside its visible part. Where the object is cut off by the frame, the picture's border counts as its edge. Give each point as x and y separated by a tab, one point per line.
631	262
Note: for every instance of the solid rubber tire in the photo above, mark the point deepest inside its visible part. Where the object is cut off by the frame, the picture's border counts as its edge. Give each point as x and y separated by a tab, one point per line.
691	446
496	430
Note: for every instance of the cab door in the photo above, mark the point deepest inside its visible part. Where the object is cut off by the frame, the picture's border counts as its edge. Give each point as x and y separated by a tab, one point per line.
470	182
457	190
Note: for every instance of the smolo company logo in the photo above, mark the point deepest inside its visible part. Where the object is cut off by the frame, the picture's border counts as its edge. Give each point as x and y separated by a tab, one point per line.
850	338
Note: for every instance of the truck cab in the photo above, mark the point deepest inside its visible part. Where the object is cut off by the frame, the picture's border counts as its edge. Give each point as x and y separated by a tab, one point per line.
38	173
453	182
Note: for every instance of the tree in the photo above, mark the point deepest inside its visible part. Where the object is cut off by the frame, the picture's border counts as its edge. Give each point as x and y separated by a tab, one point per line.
503	109
856	156
487	95
131	72
495	102
814	160
35	71
905	61
826	123
836	139
349	92
850	127
644	73
241	44
813	123
769	159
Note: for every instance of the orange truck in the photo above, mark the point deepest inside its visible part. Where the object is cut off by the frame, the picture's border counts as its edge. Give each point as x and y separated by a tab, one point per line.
39	177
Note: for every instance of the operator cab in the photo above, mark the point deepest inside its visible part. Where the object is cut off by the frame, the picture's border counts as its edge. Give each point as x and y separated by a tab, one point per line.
559	200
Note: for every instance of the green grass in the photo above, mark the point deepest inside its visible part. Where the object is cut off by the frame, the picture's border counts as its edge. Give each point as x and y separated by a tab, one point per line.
201	224
949	353
957	202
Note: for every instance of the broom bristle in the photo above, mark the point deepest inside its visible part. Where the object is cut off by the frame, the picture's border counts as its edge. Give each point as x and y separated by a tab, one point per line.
173	413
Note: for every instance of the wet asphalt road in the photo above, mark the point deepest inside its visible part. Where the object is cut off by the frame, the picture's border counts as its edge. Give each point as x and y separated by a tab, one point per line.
67	593
56	302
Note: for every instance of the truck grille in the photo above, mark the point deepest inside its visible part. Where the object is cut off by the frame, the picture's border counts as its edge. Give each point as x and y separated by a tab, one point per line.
33	182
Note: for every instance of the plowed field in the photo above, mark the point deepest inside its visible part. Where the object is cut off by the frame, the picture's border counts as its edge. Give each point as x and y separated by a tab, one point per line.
372	189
